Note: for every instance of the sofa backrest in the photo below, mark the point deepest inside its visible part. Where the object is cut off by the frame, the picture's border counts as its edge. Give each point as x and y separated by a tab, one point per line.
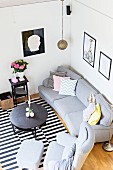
69	73
83	91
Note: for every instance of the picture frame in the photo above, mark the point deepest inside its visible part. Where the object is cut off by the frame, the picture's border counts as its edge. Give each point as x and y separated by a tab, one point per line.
33	42
89	49
105	63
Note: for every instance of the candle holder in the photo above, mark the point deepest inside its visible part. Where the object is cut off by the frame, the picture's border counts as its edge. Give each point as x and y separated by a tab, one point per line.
29	112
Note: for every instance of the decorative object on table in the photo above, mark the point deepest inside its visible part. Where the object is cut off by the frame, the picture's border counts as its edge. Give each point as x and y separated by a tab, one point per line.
105	65
33	42
29	112
19	67
89	48
14	79
108	146
62	44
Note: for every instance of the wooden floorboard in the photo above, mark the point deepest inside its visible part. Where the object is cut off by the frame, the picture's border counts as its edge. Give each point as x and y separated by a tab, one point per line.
98	159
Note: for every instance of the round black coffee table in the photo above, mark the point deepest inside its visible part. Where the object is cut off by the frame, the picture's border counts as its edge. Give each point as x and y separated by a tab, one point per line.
20	121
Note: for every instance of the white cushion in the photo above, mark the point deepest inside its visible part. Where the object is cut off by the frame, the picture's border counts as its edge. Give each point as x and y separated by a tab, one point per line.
67	87
88	111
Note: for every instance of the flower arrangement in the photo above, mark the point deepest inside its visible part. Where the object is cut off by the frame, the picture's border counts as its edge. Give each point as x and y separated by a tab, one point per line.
19	65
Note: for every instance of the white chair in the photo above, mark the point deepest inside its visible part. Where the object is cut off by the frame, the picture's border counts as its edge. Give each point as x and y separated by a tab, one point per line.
57	150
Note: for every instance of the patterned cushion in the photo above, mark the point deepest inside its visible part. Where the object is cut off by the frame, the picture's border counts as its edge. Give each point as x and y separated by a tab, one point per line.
68	87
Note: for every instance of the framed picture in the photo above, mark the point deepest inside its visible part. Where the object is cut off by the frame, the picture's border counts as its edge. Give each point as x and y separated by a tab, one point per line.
33	42
89	48
105	65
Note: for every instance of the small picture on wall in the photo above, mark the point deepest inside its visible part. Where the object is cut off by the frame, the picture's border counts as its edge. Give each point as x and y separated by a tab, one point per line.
105	65
89	48
33	42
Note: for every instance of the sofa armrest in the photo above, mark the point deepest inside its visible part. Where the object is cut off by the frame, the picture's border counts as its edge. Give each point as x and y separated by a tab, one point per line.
65	139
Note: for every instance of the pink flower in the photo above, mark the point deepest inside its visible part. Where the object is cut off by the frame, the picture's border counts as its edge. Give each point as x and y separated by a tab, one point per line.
21	67
12	64
16	66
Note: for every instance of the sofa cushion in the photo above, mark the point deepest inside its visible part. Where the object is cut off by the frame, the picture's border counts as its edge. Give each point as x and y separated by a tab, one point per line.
57	73
69	73
68	105
73	121
88	111
67	87
105	109
48	82
57	82
95	116
51	153
49	93
83	91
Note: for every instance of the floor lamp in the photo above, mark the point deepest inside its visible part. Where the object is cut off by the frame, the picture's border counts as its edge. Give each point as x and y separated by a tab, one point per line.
108	146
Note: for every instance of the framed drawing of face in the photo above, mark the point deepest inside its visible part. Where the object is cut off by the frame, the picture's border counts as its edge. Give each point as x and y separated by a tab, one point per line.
33	42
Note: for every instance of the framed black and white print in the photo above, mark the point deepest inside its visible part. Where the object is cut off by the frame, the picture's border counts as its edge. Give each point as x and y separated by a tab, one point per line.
89	49
105	65
33	42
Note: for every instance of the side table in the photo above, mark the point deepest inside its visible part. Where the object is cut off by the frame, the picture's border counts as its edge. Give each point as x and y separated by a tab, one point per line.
19	89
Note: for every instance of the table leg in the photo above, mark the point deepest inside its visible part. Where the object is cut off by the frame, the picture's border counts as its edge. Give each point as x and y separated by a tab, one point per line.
13	129
35	132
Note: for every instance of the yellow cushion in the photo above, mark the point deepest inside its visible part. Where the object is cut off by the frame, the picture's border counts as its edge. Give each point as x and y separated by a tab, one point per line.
95	116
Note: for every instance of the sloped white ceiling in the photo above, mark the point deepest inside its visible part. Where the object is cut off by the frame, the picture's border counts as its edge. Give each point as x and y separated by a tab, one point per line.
9	3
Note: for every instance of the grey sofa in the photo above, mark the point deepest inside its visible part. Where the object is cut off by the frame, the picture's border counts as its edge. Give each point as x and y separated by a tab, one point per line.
70	108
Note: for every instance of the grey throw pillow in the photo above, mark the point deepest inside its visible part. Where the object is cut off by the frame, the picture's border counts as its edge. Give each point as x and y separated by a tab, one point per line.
48	83
57	73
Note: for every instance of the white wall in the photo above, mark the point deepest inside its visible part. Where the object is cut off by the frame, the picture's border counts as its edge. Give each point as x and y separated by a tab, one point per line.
95	18
14	20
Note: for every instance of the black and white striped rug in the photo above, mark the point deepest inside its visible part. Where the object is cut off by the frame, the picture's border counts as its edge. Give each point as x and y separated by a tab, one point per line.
10	142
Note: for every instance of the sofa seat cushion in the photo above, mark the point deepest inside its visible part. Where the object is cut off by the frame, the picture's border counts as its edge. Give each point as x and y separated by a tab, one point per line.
51	153
73	121
49	93
68	105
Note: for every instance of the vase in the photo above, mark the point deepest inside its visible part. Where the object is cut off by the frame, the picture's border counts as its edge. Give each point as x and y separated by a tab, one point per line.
21	75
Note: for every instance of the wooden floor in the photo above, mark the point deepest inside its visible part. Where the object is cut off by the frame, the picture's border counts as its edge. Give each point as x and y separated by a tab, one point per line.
98	159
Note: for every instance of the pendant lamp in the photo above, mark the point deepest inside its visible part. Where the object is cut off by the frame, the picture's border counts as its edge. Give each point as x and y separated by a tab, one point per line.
62	44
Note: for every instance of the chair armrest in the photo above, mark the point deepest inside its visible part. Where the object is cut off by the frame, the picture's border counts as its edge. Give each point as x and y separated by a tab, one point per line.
65	139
